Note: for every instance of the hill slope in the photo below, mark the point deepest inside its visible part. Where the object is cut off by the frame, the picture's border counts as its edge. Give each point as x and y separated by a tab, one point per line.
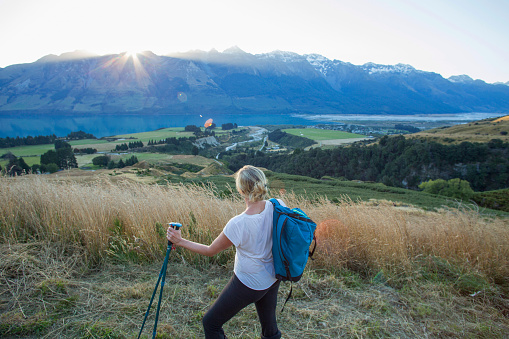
480	131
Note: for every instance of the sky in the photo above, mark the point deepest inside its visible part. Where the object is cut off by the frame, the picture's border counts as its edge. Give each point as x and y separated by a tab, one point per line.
449	37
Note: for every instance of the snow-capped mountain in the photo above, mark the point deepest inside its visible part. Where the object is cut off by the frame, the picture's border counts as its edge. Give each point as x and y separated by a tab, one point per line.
372	68
234	81
461	79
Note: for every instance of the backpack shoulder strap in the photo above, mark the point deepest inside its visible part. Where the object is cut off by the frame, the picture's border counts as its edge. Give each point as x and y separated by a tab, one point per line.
274	202
289	295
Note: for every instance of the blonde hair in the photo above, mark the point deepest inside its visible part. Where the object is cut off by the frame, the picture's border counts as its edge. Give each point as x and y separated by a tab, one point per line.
251	183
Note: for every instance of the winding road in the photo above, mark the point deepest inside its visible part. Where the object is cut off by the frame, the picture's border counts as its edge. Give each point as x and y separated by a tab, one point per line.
256	134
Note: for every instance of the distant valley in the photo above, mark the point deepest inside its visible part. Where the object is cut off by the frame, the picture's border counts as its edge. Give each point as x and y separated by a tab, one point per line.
235	82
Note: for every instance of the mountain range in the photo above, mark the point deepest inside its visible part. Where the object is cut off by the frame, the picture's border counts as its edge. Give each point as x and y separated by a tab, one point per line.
234	81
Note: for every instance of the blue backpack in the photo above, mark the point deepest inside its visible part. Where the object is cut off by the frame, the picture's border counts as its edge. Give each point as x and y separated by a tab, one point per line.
292	234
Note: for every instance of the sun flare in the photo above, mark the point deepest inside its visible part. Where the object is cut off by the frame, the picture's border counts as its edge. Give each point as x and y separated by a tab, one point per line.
132	53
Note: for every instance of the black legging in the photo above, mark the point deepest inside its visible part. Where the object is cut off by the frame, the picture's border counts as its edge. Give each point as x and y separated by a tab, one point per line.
234	297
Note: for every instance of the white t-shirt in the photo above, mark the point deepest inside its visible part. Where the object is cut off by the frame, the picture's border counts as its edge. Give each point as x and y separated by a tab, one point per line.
252	237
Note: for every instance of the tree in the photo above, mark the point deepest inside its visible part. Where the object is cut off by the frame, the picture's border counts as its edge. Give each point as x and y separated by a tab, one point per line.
52	168
63	157
61	144
121	147
192	128
408	128
66	158
14	169
454	188
101	160
131	161
17	166
80	135
50	157
23	165
228	126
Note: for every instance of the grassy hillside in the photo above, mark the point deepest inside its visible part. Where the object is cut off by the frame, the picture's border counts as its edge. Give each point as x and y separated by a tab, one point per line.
498	199
81	260
335	190
326	138
322	134
480	131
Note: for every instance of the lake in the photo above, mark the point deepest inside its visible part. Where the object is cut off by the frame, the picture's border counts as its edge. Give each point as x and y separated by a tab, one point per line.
101	125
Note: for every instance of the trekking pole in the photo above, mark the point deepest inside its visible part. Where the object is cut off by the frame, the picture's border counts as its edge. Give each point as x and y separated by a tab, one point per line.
162	278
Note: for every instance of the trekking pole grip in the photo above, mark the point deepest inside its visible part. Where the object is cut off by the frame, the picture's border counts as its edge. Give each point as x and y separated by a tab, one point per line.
175	226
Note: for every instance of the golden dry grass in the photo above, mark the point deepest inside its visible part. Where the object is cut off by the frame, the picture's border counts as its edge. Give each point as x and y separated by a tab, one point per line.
353	234
53	231
383	237
504	118
480	131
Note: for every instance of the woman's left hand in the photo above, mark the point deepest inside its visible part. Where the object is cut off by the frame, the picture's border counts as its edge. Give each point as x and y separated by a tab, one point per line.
173	235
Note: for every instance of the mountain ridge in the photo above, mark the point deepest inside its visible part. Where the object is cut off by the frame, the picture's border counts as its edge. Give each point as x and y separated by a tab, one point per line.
234	81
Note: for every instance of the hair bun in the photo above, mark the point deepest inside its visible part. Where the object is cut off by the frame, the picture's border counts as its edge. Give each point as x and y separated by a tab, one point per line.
251	183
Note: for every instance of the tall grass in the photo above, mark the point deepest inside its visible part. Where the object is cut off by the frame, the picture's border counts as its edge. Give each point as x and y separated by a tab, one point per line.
381	237
100	214
103	218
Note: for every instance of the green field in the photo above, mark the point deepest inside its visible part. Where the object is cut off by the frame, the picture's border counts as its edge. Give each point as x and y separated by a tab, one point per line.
84	143
26	151
174	132
322	134
31	154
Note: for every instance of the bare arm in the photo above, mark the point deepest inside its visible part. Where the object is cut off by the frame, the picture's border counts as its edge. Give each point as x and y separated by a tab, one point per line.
218	245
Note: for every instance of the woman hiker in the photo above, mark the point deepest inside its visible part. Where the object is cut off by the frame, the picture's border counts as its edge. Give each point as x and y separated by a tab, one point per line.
254	279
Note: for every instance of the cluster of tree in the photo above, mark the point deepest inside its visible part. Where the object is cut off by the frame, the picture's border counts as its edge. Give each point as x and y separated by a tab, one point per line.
454	188
87	150
26	141
80	135
16	166
171	141
192	128
62	156
174	145
199	133
45	168
408	128
156	142
59	143
229	126
131	145
395	161
106	161
41	139
283	138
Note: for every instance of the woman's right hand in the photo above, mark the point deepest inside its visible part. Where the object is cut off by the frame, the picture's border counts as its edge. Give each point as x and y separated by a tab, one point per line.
174	236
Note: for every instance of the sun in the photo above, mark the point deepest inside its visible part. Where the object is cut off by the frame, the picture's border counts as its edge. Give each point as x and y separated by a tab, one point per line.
132	53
